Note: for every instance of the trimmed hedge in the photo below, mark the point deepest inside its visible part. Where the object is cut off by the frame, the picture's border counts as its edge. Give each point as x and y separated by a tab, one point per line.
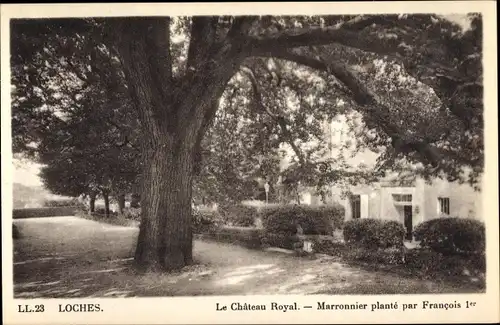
374	233
335	214
43	212
240	215
452	235
73	202
320	220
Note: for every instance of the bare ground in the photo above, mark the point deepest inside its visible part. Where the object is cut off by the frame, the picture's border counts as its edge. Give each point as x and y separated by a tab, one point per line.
73	257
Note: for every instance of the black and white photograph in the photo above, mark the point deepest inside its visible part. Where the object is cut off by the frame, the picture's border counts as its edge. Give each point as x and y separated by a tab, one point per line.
331	154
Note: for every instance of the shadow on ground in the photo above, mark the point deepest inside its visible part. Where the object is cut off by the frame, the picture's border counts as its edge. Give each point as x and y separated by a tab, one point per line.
73	257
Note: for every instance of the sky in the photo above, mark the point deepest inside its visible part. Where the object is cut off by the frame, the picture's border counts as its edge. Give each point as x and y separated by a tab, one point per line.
459	19
26	173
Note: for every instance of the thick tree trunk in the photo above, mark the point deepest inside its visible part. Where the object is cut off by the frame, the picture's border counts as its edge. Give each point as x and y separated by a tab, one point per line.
92	203
175	114
165	236
105	195
121	203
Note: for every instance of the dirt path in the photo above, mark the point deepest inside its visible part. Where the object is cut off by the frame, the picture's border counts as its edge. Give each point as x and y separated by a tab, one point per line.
74	257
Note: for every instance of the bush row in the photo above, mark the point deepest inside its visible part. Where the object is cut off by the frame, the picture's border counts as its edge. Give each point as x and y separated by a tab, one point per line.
444	235
43	212
239	215
285	219
70	202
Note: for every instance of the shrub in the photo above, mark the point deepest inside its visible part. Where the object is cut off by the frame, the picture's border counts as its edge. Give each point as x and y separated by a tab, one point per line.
329	246
205	220
452	235
313	220
374	233
43	212
132	214
392	234
383	256
240	215
102	212
248	237
15	232
280	219
281	240
432	264
335	213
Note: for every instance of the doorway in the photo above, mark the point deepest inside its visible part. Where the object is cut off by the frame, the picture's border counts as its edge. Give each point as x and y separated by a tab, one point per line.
408	215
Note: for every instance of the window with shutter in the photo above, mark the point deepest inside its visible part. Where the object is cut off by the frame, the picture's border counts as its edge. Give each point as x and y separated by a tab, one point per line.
356	206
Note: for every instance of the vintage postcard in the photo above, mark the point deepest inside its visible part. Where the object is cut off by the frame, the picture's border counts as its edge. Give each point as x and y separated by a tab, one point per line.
221	163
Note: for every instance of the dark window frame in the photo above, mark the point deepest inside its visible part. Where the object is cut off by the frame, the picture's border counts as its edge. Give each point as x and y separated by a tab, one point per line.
356	206
444	205
402	198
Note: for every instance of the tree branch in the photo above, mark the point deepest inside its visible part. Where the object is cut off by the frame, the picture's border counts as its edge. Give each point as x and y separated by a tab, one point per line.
158	44
280	120
241	26
346	33
373	109
203	36
141	44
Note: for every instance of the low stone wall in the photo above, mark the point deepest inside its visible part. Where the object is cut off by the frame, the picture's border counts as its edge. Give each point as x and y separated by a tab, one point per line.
245	236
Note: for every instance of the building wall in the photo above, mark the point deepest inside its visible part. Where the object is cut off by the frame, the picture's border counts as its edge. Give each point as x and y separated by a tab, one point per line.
464	201
379	202
390	211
